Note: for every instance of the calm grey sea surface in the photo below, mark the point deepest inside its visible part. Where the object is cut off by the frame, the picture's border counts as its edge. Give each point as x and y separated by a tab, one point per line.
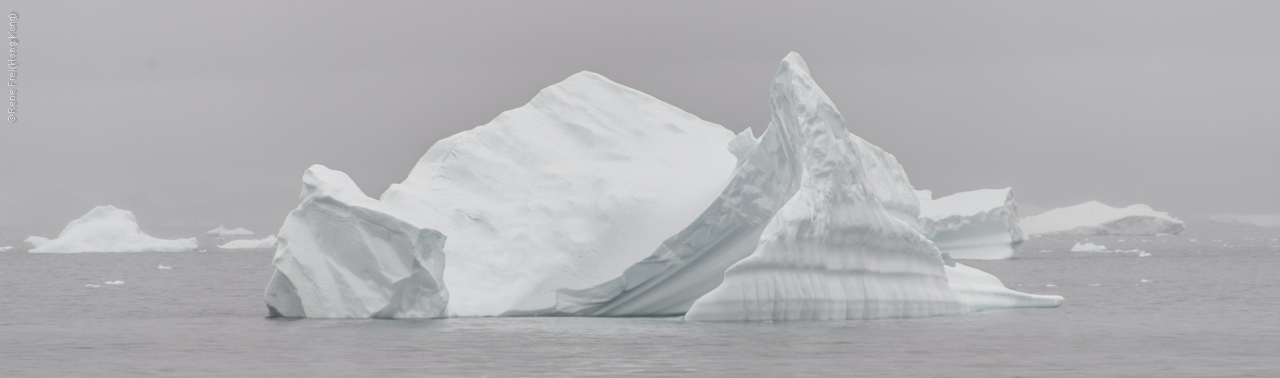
1195	308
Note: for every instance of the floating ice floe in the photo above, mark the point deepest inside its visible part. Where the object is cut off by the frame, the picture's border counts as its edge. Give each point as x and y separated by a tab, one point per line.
1088	247
114	282
92	285
980	224
595	199
1254	220
221	232
162	266
107	229
3	249
267	242
1096	218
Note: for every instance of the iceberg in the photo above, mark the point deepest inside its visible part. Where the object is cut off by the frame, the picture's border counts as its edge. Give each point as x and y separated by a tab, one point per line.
1096	218
107	229
222	232
341	254
595	199
267	242
847	244
980	224
1255	220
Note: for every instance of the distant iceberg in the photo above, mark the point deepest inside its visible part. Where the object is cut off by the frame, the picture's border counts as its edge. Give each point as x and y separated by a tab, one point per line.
1096	218
107	229
980	224
267	242
1088	247
221	232
1255	220
3	249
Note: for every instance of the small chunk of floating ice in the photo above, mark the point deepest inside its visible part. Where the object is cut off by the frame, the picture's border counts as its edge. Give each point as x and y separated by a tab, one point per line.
1120	240
1192	240
1143	254
2	249
1161	234
164	267
1095	284
1050	285
1088	247
114	282
1145	280
92	285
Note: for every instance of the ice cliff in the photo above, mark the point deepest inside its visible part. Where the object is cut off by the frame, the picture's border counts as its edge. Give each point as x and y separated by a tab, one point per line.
107	229
341	254
980	224
1096	218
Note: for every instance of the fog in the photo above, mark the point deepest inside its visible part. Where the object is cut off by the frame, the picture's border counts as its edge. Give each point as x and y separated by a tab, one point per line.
199	114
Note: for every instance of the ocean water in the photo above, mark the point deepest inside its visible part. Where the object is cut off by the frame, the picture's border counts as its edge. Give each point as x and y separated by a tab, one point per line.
1194	308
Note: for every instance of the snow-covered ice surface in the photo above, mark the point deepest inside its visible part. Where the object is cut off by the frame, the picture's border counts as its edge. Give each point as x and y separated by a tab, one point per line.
980	224
267	242
1256	220
342	255
107	229
980	291
222	232
1096	218
846	245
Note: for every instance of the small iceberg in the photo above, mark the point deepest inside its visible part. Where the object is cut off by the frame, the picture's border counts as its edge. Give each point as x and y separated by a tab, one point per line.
114	282
164	267
2	249
267	242
222	232
92	285
107	229
1088	247
980	224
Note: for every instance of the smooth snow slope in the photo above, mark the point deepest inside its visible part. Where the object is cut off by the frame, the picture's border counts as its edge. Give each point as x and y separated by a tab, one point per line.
341	254
565	192
845	246
107	229
1096	218
980	224
981	291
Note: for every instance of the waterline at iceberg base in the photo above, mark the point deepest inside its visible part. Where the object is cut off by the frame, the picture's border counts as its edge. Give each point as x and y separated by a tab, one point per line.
595	199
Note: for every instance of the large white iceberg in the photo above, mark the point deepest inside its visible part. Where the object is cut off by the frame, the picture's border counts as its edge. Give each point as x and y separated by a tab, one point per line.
107	229
980	224
267	242
595	199
342	255
221	232
846	245
563	193
1255	220
1096	218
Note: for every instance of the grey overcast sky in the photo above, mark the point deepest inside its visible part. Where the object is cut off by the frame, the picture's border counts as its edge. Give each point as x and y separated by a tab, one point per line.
195	114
